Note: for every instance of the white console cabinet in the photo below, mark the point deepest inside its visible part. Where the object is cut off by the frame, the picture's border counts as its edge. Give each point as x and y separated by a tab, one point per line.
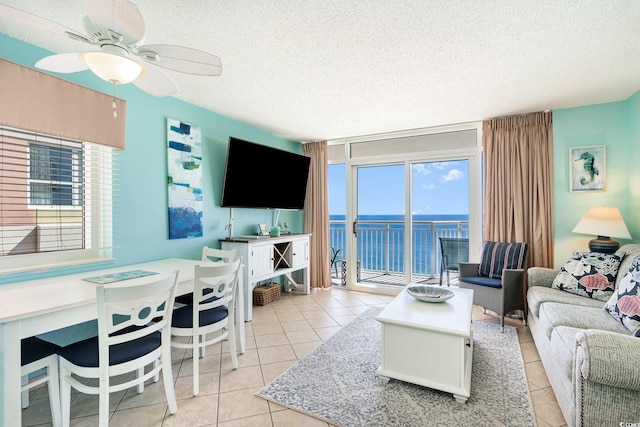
268	257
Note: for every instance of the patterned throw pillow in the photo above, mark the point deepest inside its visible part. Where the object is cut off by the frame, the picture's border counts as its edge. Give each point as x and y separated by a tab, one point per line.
589	274
624	304
498	256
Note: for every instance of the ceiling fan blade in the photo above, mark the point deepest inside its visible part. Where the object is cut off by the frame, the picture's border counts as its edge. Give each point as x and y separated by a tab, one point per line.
62	63
34	20
183	59
156	82
117	16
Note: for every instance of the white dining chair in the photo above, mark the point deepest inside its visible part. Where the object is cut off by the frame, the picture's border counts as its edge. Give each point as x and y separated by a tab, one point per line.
210	318
209	255
134	330
218	255
40	357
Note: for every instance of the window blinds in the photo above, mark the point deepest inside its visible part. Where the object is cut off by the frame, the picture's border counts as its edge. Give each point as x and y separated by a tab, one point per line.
56	199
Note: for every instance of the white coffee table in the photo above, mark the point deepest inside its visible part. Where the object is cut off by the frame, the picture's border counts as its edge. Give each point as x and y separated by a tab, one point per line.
429	344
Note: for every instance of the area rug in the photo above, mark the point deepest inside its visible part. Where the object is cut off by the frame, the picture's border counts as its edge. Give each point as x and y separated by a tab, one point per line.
337	383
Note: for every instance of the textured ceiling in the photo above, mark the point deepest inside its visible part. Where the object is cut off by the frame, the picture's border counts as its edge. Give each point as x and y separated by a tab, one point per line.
327	69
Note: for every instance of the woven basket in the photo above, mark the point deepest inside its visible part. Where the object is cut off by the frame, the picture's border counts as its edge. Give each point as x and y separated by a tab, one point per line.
264	294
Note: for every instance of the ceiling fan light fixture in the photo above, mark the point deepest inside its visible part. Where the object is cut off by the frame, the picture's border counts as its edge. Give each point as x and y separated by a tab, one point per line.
112	68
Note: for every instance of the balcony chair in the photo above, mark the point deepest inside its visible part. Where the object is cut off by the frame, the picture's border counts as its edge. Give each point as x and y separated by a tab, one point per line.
213	255
344	271
212	312
454	251
335	259
498	280
37	355
134	330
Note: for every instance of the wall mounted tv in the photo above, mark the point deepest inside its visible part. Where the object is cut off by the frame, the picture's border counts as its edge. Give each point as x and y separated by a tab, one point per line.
258	176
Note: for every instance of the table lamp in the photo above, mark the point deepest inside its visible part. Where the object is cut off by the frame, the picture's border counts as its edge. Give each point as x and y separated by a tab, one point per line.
604	222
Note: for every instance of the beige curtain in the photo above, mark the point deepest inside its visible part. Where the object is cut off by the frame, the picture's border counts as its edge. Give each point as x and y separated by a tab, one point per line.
518	204
39	102
316	214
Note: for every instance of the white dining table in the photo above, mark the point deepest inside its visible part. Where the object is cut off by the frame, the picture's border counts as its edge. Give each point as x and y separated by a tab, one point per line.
38	306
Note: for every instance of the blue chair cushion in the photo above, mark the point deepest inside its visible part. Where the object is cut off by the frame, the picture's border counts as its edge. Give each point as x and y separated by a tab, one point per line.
183	316
34	348
85	353
483	281
499	256
188	298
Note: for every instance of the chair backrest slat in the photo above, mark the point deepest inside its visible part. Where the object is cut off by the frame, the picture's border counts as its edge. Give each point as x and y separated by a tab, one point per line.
214	284
218	255
127	313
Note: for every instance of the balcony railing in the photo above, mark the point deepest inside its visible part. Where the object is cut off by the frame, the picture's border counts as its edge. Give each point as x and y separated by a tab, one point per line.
381	244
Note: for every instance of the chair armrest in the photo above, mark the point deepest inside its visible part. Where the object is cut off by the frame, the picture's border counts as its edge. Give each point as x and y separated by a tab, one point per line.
541	276
512	277
607	358
512	283
468	269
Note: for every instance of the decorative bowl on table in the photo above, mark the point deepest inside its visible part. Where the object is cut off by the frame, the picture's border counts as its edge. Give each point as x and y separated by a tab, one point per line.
429	293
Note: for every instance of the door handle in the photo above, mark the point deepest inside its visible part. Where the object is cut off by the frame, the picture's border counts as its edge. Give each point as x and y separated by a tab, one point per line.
355	228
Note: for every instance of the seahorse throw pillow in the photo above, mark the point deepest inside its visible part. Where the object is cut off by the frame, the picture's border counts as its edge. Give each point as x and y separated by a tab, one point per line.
624	304
589	274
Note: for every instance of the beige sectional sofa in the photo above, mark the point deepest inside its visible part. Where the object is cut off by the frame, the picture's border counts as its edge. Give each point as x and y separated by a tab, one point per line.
591	359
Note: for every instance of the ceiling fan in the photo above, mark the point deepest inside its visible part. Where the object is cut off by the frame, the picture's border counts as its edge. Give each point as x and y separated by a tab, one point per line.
117	29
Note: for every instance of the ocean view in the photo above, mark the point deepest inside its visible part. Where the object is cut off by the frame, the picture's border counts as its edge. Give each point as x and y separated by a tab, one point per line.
381	240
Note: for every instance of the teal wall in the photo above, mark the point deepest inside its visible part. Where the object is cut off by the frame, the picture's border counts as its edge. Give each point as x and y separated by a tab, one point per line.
140	222
633	171
614	125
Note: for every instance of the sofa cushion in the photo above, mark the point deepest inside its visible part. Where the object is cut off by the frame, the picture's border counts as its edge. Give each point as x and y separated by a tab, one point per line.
563	342
537	295
554	314
624	304
589	274
630	251
499	256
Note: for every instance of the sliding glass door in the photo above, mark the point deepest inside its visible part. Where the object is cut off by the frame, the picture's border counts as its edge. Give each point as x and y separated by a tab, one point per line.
440	209
392	248
379	225
392	197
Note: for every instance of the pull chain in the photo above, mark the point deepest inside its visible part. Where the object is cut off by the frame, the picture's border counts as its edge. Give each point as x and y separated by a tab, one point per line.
113	104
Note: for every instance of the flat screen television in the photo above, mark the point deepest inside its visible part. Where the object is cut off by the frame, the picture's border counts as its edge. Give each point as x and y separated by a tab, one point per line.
258	176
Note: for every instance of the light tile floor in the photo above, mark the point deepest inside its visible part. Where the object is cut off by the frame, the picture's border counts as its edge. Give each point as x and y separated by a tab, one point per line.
281	333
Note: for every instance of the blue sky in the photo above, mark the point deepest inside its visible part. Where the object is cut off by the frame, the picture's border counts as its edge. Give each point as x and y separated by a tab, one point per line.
439	188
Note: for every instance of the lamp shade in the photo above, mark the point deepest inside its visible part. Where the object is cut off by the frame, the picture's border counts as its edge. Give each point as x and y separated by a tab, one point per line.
603	221
111	67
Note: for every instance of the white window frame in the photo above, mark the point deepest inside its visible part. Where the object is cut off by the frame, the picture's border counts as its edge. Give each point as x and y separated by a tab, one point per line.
100	164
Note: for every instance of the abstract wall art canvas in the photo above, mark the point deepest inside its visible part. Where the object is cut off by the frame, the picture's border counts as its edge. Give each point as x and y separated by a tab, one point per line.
184	179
